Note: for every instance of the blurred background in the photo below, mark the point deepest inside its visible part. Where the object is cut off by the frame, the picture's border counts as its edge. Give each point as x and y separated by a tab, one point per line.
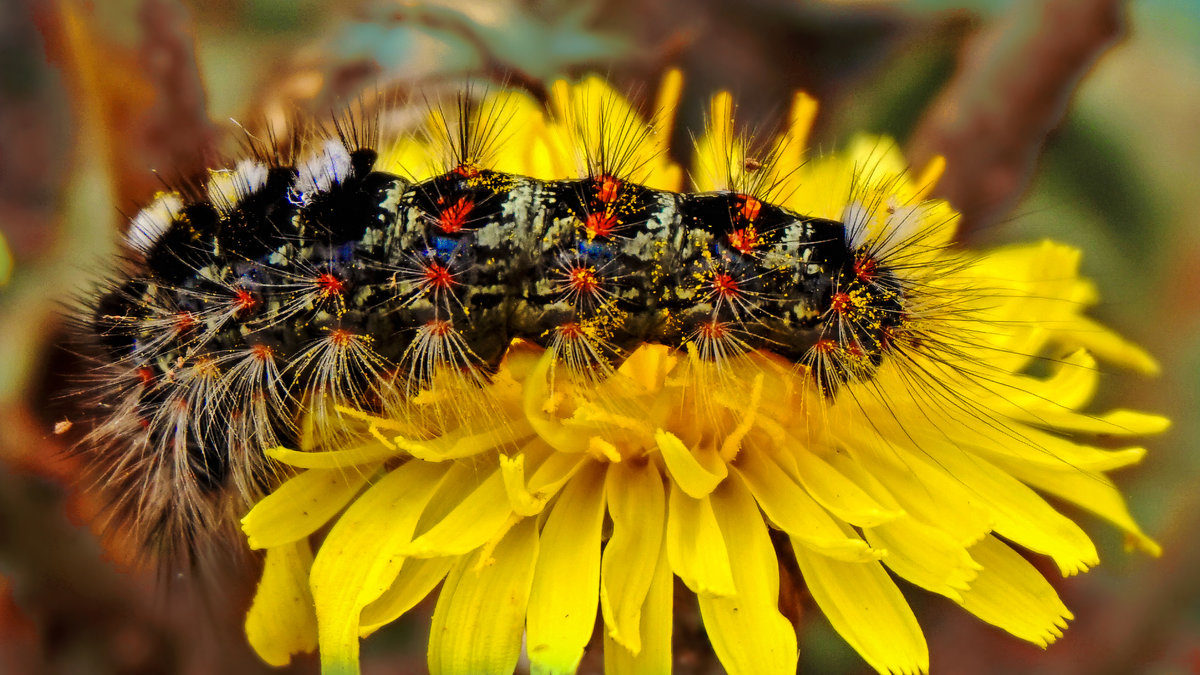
1072	119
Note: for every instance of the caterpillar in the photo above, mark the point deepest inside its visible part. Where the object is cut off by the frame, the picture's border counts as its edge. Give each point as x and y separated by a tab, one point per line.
314	279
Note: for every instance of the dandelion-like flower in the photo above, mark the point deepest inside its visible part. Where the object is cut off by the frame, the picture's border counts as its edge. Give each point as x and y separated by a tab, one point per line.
545	494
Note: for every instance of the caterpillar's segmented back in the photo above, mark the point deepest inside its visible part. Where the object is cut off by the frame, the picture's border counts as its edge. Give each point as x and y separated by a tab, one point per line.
285	290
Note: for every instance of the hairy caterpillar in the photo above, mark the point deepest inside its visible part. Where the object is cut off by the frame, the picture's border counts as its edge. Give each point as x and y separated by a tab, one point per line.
314	280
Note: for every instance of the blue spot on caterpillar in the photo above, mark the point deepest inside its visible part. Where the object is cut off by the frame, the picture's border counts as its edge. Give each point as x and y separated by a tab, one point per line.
327	282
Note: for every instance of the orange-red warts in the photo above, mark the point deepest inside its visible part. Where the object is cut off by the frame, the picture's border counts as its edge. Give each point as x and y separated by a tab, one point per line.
865	267
725	285
466	170
600	224
825	346
439	327
341	337
243	301
840	303
205	366
608	190
184	321
571	330
583	280
454	217
713	330
437	275
329	285
744	240
749	208
262	352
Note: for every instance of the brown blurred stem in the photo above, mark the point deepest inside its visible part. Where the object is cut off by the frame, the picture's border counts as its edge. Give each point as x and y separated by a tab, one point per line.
147	94
1014	82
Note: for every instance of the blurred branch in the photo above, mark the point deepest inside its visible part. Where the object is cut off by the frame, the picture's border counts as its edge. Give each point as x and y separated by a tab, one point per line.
147	97
1014	82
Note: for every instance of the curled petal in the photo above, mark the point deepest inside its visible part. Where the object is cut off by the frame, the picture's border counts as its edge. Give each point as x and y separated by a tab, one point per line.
695	547
695	472
281	622
562	605
417	579
637	505
747	631
654	657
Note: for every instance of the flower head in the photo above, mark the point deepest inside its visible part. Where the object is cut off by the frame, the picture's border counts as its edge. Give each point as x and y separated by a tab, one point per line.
545	494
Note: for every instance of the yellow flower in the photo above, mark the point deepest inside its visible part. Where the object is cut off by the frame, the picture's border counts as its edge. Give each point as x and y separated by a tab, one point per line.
544	499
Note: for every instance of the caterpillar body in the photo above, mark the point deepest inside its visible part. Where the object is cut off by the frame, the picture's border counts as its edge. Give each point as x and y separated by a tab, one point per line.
327	283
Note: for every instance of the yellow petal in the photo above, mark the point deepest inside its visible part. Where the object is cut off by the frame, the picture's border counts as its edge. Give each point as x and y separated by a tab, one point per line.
417	579
281	622
461	444
337	459
359	558
562	605
791	508
747	409
655	656
716	151
1129	422
914	481
865	607
303	504
1092	491
791	145
664	174
695	473
1114	423
747	631
480	613
837	493
1029	280
527	500
1012	594
1020	514
930	176
535	399
1000	439
648	366
924	555
636	503
965	484
854	471
608	125
1070	387
1109	346
474	519
695	547
523	126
